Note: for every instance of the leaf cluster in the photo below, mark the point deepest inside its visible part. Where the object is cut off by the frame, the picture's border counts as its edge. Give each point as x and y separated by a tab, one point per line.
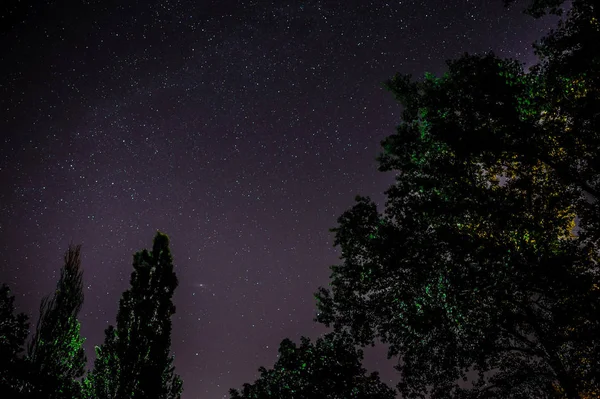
330	368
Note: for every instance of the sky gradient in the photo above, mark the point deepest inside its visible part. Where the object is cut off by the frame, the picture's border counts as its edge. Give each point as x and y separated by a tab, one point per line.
241	129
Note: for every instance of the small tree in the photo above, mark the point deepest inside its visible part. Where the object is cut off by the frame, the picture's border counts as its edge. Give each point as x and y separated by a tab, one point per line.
13	333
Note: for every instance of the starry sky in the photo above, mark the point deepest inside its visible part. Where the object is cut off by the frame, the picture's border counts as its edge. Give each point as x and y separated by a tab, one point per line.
242	129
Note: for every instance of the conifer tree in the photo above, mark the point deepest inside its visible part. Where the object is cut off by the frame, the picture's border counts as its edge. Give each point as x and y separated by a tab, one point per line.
55	353
135	362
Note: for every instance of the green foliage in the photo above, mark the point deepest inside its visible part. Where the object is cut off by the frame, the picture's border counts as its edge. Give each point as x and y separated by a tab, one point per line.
135	361
55	354
101	383
475	267
328	369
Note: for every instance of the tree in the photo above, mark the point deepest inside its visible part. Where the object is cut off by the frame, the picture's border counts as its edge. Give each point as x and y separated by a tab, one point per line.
328	369
13	333
102	381
55	354
473	266
134	361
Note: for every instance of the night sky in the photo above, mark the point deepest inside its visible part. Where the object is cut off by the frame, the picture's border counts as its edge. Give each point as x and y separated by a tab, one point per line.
241	129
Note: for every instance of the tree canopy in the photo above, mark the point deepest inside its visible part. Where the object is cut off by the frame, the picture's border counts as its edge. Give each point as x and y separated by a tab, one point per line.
330	368
135	361
474	267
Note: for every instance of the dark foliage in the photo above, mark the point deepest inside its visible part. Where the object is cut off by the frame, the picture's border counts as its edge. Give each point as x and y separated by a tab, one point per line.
13	333
135	362
473	266
328	369
55	354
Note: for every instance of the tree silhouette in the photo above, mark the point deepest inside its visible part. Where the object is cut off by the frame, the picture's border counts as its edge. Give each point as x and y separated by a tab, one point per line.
134	361
13	333
328	369
55	354
474	266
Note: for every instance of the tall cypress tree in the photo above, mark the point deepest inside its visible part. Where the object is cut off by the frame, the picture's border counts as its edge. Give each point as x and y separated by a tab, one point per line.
55	354
134	361
13	333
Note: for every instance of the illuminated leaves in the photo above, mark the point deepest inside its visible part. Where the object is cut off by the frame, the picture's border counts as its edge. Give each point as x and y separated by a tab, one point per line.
55	352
